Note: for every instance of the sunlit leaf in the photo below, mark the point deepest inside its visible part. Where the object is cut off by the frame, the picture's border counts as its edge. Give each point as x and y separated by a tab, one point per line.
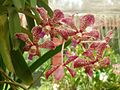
19	4
4	43
14	26
21	68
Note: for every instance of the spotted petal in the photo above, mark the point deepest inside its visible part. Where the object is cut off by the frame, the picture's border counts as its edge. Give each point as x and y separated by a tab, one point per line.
58	15
80	63
94	33
43	13
89	53
49	72
63	33
59	73
48	45
71	58
22	36
109	36
100	49
69	21
89	70
105	62
37	33
71	71
94	45
86	21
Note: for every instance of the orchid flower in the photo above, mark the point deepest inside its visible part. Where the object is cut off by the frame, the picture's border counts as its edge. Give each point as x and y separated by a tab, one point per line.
60	73
53	26
33	47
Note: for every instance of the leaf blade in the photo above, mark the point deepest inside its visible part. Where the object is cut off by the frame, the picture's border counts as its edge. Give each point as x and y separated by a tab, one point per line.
21	68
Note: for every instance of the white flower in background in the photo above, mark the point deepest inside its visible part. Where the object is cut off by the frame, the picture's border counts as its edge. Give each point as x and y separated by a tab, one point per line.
55	86
103	77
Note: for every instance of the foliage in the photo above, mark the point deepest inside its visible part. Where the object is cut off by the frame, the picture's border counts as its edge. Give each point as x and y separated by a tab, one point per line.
85	51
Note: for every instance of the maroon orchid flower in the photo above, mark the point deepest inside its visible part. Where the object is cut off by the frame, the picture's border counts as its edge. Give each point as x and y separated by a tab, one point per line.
92	34
33	47
58	71
53	26
86	21
89	53
89	70
105	62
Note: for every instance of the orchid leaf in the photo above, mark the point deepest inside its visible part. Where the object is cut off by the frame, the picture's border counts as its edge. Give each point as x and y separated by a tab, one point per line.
19	4
21	68
4	43
14	26
33	3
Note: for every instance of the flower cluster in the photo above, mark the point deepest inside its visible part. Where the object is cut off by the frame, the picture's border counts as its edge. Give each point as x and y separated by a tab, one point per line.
62	26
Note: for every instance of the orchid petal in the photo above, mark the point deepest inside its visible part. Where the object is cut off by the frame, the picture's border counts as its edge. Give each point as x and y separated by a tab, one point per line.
74	42
63	33
80	63
86	21
71	71
36	31
58	15
49	72
71	32
22	36
71	58
94	45
59	73
48	45
89	71
101	47
32	51
94	33
27	47
69	21
109	36
85	45
105	62
43	13
89	53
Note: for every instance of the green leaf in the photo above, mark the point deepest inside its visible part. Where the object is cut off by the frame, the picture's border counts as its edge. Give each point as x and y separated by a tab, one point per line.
33	3
47	56
3	68
14	26
4	43
30	22
19	4
38	19
3	10
21	68
1	2
42	3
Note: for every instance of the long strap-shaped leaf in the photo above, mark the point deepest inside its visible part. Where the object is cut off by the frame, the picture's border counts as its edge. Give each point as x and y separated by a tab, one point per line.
14	26
47	56
19	4
4	43
21	68
3	67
